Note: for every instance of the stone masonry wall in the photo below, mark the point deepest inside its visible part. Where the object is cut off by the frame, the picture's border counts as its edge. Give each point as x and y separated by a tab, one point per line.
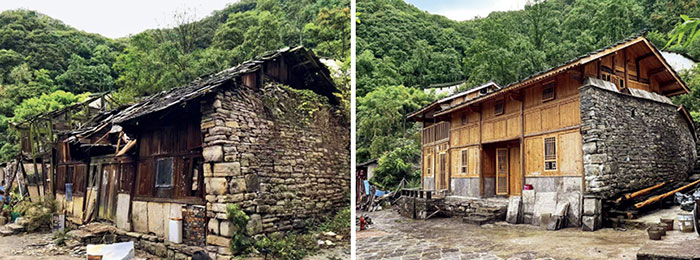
630	143
282	163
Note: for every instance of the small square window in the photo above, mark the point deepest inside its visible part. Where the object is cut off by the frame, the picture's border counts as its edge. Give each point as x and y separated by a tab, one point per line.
499	108
550	166
548	92
164	172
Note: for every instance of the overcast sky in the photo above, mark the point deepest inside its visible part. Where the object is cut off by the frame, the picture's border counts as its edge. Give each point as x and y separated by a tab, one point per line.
116	18
461	10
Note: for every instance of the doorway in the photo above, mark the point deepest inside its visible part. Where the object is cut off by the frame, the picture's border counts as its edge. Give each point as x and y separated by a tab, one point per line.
441	180
501	172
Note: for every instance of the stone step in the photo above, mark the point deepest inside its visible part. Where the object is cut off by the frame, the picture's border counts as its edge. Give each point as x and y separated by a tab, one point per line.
14	228
490	210
476	220
6	232
480	215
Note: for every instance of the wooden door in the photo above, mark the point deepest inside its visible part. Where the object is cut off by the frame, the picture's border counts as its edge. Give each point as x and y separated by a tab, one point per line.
102	200
107	201
441	176
515	178
112	195
502	171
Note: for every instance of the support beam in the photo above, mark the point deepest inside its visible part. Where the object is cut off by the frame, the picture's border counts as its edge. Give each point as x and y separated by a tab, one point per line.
673	93
624	63
655	71
666	84
639	59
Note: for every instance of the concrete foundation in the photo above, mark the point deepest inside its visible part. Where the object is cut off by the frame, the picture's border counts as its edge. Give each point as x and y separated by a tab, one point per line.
468	187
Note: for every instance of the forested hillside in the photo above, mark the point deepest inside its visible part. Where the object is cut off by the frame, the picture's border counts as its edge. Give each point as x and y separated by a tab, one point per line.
46	64
402	49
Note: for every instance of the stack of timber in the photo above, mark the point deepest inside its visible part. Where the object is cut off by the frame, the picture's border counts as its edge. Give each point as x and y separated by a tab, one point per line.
634	204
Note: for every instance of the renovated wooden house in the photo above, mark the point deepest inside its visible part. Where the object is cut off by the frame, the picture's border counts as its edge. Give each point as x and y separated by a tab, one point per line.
597	125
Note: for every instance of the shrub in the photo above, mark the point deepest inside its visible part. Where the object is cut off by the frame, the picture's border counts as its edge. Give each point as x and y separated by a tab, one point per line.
240	242
339	224
60	237
40	214
290	247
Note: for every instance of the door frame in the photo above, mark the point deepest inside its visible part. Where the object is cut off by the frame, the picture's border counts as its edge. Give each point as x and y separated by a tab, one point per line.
507	170
439	173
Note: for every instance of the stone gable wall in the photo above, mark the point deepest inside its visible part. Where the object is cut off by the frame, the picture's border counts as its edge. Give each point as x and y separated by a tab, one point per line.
630	143
282	163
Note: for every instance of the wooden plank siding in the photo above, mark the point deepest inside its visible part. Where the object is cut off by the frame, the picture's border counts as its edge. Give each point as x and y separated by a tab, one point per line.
525	117
521	117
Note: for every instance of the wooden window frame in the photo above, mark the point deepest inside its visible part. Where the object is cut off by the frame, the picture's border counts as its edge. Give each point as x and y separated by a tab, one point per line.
172	172
551	159
547	86
428	167
502	104
464	118
464	159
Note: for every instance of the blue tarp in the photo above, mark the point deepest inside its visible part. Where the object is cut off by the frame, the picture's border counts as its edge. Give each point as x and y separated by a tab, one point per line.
376	193
380	193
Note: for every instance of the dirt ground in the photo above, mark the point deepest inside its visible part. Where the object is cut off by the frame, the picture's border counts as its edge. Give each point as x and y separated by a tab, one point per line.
34	246
40	246
395	237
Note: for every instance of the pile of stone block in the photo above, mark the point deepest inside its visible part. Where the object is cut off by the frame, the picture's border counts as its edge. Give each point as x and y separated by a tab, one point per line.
592	213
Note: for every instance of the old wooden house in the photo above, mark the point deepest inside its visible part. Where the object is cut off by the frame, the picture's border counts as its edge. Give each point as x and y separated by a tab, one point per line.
594	127
268	135
39	136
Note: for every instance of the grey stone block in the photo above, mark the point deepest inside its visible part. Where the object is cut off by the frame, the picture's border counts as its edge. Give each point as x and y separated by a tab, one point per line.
514	206
545	202
544	219
528	201
592	206
591	223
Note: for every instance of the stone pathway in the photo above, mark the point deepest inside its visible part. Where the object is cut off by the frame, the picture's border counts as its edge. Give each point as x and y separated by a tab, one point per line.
395	237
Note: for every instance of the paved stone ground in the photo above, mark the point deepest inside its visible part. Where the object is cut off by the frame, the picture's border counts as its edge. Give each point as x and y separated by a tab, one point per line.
395	237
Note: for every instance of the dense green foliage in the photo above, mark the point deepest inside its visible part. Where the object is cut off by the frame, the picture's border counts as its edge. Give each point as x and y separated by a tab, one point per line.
40	55
241	242
400	45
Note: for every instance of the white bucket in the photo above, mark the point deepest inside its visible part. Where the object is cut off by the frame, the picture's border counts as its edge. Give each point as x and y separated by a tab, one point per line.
685	222
175	230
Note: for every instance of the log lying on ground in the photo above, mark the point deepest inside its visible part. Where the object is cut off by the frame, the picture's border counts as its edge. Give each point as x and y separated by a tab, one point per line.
665	195
639	192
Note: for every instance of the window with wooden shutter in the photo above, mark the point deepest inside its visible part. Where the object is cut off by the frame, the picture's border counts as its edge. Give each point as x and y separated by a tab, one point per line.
465	157
499	108
548	92
428	165
550	154
464	118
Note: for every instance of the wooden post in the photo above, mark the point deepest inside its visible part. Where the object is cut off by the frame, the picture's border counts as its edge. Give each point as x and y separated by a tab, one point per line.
51	172
522	143
481	151
624	63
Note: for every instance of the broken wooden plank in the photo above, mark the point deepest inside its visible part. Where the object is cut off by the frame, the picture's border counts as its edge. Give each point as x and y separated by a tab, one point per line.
665	195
